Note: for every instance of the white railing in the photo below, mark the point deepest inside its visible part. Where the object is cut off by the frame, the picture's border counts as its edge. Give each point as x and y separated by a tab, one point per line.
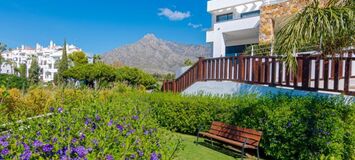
271	2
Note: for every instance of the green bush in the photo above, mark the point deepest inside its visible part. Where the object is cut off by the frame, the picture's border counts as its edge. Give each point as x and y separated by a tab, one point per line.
293	127
13	81
135	77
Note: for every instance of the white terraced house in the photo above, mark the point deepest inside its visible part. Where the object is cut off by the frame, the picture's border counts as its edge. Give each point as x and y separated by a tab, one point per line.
47	58
239	23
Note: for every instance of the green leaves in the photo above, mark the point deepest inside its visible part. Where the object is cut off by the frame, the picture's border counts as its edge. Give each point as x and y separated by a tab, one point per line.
78	58
135	77
331	27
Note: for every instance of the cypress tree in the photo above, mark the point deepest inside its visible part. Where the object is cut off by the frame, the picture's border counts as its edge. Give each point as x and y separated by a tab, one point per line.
63	64
33	73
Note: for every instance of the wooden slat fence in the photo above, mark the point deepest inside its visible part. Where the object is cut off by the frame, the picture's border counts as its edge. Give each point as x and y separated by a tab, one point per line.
313	73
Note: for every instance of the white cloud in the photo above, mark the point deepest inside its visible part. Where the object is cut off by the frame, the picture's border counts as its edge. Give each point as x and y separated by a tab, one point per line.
173	15
194	25
205	29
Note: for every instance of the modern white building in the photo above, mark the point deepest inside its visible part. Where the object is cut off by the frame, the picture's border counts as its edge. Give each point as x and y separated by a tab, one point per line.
47	59
235	24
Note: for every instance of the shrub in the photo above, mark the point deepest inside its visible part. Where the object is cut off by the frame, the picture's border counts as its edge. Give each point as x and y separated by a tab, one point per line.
96	129
135	77
13	81
293	127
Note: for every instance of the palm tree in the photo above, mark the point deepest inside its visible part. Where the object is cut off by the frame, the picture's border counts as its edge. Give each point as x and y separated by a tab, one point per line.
329	25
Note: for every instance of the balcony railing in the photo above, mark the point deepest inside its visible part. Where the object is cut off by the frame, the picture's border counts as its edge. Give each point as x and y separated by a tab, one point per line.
271	2
313	73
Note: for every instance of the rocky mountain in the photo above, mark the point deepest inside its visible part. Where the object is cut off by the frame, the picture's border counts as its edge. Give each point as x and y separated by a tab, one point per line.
155	55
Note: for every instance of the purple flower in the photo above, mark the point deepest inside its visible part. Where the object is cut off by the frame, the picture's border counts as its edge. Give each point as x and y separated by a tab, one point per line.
110	123
38	133
54	140
81	151
135	117
62	152
5	151
109	157
82	136
119	127
130	132
133	156
140	153
73	140
26	155
47	148
98	118
87	121
146	132
37	143
60	110
95	142
51	109
27	148
4	143
154	156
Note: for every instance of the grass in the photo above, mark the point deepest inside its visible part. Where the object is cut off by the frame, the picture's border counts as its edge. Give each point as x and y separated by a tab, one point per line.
201	151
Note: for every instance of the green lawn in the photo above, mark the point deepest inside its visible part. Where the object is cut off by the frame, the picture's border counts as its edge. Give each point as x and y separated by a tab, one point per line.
202	151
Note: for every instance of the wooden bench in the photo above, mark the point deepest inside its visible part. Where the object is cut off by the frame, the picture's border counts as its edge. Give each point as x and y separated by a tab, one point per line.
233	136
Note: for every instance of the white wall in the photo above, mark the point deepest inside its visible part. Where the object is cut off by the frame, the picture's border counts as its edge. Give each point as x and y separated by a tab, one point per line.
222	88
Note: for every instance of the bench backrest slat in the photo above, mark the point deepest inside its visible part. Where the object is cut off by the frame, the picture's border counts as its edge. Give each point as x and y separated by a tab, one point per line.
236	133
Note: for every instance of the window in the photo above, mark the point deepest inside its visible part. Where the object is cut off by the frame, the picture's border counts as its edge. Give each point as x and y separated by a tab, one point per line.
250	14
224	17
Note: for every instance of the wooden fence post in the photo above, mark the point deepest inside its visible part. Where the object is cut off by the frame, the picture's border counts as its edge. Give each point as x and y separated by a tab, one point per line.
305	71
241	68
200	68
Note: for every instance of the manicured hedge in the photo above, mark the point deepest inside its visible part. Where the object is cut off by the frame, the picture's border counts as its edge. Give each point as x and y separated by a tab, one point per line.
293	127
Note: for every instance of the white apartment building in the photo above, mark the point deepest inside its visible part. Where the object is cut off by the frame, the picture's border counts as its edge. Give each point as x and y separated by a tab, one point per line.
235	24
47	58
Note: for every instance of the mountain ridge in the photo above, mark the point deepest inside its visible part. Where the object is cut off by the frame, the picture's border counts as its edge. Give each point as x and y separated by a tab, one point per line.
156	55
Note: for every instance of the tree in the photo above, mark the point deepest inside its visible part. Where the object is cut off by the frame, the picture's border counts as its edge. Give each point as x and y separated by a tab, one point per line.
330	25
91	73
63	65
34	72
96	58
78	58
2	49
23	70
135	77
188	62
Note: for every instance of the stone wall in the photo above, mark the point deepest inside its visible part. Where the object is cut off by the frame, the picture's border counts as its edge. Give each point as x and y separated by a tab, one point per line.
275	14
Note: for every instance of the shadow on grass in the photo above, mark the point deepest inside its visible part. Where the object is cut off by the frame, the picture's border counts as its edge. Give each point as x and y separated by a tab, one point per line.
220	148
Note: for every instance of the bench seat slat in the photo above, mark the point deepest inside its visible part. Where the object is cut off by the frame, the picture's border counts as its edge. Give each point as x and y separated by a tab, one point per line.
234	133
225	140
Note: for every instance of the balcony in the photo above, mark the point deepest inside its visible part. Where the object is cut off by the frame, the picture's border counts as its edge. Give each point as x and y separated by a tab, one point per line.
214	5
221	4
236	25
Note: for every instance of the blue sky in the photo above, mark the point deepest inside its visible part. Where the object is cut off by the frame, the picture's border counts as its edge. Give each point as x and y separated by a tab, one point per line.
98	26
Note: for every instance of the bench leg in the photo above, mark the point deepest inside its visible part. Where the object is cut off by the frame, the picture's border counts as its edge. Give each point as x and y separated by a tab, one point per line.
257	152
197	136
245	141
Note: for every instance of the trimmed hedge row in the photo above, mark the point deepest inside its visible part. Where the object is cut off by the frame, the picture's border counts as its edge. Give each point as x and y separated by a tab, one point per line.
293	127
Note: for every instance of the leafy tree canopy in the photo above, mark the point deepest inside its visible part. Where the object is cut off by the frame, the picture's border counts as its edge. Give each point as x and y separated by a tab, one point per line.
134	76
90	73
78	58
34	71
329	25
188	62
